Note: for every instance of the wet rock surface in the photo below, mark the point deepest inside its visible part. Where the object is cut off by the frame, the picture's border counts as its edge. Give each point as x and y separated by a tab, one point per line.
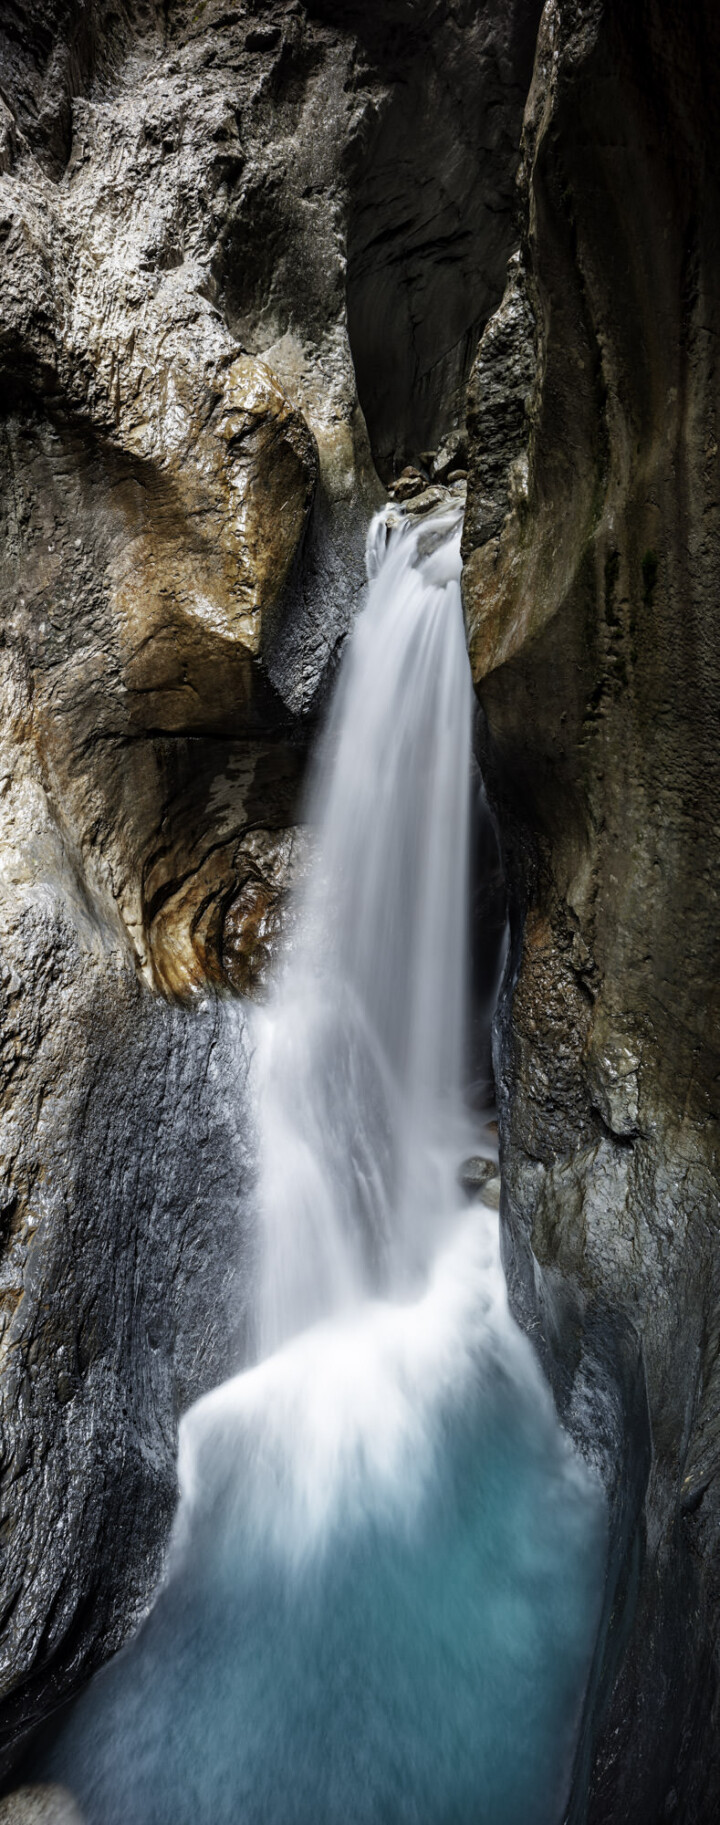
475	1173
591	548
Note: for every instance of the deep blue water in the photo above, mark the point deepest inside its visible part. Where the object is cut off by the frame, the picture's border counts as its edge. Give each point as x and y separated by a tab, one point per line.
384	1592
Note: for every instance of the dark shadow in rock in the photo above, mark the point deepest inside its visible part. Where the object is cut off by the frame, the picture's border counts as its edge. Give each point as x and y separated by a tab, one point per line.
432	219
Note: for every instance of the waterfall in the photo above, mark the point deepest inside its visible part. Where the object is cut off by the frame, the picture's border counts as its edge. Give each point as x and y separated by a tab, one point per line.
361	1053
385	1572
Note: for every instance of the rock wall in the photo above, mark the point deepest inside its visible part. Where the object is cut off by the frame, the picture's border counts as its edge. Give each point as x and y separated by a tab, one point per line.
186	476
433	210
592	548
245	256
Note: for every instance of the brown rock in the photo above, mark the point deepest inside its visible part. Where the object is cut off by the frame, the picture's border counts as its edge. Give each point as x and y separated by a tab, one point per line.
411	482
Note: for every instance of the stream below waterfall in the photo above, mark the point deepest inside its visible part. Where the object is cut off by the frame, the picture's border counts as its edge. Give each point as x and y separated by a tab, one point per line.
385	1576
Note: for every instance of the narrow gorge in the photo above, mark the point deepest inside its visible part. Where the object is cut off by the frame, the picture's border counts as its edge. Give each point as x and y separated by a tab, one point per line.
323	326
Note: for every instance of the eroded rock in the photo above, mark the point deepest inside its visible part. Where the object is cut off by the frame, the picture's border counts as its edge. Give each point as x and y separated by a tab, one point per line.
591	546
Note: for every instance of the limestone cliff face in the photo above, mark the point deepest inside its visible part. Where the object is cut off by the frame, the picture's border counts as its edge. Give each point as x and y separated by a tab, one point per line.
592	548
200	206
245	256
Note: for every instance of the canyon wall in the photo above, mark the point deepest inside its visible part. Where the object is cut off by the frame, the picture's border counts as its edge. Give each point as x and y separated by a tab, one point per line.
246	255
212	219
592	559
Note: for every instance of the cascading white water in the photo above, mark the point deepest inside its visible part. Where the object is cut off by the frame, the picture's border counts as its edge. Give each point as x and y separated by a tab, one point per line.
361	1053
385	1573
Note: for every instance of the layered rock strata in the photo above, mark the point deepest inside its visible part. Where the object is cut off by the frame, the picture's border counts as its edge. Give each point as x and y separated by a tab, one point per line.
592	554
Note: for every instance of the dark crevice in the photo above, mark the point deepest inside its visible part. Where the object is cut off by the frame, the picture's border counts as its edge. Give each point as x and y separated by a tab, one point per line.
431	226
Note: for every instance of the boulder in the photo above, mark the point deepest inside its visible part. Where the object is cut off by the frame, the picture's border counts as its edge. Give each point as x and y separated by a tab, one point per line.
475	1172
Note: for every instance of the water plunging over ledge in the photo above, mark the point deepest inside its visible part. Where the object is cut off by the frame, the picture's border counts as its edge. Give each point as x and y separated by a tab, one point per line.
385	1574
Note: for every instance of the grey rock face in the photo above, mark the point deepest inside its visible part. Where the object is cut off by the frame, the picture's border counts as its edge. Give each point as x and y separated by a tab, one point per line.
475	1173
186	229
591	598
499	401
123	1283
